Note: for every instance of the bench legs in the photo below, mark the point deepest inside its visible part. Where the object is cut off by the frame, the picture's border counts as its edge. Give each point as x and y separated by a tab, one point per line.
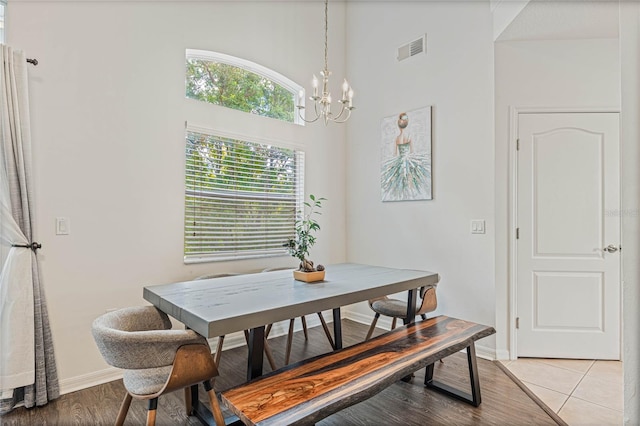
473	398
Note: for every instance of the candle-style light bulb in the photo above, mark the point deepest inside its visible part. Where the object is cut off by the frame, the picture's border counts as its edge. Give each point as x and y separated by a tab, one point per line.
351	97
314	84
300	96
345	88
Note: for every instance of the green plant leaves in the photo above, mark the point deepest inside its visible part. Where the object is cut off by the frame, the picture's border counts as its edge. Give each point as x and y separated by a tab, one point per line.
299	246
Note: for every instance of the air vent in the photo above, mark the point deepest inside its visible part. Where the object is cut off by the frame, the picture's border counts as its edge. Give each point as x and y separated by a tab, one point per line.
413	48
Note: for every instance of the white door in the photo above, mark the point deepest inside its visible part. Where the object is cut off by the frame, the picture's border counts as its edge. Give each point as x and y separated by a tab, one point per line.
568	201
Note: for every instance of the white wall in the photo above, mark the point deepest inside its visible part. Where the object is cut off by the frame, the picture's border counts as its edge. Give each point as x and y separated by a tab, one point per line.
630	59
108	114
504	12
551	73
456	78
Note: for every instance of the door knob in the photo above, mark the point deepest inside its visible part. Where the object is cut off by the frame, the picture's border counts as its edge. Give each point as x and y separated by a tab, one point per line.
611	248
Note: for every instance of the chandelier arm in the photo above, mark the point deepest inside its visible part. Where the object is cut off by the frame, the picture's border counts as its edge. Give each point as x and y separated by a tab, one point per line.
308	121
304	119
345	119
313	120
337	117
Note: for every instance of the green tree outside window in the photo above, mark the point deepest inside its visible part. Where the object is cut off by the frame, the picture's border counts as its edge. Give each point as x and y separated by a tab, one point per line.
233	87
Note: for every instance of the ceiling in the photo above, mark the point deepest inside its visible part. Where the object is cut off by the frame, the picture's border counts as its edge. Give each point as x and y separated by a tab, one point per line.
564	20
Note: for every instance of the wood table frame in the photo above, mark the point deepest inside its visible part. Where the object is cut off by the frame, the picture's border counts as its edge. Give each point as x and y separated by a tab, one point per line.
221	306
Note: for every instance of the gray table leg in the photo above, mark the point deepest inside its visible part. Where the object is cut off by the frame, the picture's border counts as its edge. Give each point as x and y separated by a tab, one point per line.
256	352
337	328
411	306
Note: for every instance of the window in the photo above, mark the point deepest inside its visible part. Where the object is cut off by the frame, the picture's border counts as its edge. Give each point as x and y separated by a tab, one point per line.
242	194
241	197
240	84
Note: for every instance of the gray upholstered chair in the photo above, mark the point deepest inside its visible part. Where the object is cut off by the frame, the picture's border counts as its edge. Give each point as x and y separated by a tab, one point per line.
304	325
398	308
267	349
156	360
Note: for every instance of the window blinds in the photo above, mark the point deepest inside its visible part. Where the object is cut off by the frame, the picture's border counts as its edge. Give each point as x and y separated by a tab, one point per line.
241	198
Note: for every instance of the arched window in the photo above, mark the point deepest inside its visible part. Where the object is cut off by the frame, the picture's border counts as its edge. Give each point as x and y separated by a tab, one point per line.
240	84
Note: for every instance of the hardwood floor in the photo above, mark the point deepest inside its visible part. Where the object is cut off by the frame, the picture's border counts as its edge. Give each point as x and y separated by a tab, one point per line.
503	402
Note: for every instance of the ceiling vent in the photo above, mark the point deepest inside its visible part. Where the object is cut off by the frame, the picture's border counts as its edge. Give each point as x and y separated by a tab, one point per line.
413	48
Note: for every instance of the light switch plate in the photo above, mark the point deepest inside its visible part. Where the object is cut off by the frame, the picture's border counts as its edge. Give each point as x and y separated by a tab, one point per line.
477	227
62	226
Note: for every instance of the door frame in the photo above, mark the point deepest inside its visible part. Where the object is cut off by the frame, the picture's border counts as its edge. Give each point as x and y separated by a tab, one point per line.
514	114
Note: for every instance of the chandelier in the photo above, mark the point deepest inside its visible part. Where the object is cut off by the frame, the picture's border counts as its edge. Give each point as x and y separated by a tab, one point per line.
322	101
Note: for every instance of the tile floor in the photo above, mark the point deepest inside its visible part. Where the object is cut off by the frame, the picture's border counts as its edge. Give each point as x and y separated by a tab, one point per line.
581	392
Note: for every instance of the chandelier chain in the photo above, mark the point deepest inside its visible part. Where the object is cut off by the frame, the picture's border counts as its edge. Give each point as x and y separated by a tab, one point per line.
326	31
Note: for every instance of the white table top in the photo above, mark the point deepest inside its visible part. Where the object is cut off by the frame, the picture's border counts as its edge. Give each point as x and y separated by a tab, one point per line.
220	306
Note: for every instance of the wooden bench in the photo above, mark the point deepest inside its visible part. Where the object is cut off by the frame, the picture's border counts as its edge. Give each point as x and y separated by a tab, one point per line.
308	391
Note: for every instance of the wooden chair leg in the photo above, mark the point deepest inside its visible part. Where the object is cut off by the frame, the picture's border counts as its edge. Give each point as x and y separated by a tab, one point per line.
267	349
289	341
215	405
304	327
188	405
269	354
393	323
124	409
372	327
219	351
151	413
326	330
267	331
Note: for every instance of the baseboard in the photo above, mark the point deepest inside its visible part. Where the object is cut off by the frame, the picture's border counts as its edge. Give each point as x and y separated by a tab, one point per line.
503	354
383	322
88	380
486	352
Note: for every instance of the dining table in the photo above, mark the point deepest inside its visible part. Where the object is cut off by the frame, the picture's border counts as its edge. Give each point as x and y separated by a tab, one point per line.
221	306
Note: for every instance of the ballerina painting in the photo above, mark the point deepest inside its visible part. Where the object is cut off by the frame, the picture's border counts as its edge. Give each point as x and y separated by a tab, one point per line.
406	156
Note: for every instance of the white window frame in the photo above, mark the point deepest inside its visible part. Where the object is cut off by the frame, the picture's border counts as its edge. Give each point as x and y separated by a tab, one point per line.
297	90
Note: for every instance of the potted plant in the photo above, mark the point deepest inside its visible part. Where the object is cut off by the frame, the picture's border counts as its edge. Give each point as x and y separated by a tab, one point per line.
304	239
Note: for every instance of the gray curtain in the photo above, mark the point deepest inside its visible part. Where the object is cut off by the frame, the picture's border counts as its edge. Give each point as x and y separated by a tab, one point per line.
17	197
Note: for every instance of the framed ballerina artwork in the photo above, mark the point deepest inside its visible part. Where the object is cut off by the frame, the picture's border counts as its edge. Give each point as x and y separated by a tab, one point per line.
405	173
